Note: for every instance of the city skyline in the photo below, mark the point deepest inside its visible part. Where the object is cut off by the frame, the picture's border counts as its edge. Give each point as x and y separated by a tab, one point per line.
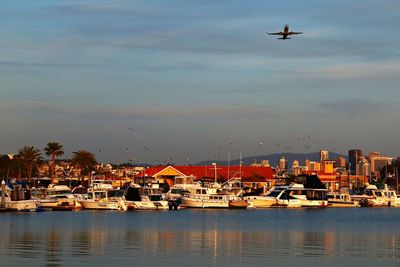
151	81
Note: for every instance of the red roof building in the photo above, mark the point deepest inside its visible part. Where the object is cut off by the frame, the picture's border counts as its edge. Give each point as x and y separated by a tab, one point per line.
211	172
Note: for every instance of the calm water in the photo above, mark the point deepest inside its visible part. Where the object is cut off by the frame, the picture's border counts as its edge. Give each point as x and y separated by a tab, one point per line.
271	237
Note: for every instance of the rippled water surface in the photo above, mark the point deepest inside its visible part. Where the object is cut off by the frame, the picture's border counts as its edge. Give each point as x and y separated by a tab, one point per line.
270	237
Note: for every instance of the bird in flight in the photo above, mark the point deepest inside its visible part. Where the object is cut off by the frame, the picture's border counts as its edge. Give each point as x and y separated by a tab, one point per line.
285	33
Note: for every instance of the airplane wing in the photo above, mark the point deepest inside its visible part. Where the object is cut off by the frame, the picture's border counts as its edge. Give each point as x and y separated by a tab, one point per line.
295	32
275	33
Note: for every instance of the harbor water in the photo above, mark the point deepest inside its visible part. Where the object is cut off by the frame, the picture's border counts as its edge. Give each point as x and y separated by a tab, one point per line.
267	237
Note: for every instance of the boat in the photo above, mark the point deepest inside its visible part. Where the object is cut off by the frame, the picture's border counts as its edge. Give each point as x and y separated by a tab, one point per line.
181	185
298	194
282	197
371	197
391	196
145	198
294	195
341	199
272	199
18	200
101	200
60	198
207	197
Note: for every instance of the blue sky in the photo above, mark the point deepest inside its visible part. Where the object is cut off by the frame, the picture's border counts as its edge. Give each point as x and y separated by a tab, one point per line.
182	81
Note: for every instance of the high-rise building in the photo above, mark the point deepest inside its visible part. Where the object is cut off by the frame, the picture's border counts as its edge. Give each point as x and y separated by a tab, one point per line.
323	155
354	157
282	163
265	163
363	168
377	163
314	166
373	155
340	162
327	166
307	164
295	163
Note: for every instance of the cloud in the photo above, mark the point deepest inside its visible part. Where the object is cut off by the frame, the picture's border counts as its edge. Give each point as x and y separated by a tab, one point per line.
361	70
146	113
354	106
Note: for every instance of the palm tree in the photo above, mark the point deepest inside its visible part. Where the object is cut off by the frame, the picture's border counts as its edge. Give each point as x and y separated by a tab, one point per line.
84	160
53	150
30	156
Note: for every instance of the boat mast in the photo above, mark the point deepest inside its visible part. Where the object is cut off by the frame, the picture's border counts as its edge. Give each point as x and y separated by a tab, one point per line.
240	164
215	172
229	164
396	172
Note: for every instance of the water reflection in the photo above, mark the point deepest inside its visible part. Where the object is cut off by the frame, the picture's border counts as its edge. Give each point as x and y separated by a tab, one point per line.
54	243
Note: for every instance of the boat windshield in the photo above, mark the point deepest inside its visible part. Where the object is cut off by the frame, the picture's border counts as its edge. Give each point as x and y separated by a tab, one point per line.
175	191
97	195
115	193
274	193
59	192
369	192
316	195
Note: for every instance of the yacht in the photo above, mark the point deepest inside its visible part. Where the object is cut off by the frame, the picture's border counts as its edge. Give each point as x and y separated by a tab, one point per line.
290	196
307	197
371	197
60	197
145	198
392	197
18	200
207	197
341	199
181	185
98	199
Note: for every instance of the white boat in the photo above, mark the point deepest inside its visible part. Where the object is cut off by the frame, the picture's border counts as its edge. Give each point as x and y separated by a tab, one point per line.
145	198
100	200
391	196
207	197
371	197
60	197
181	185
296	195
12	204
341	200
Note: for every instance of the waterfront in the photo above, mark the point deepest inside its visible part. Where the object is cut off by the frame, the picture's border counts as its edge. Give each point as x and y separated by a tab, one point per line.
316	237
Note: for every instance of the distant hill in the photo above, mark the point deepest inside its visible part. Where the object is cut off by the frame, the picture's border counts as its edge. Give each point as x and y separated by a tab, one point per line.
274	158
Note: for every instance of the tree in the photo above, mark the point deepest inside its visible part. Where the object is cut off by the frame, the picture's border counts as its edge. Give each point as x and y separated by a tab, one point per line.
84	160
30	156
53	150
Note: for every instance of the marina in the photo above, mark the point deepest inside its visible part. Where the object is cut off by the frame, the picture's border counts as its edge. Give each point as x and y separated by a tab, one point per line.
101	195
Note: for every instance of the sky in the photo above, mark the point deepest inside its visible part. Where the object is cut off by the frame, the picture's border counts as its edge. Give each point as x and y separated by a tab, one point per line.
184	81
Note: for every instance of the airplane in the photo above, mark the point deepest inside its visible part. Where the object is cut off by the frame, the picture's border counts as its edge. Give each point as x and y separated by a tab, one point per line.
285	33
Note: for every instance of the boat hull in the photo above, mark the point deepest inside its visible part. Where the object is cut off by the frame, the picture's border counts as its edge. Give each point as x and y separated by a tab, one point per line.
91	204
203	203
238	204
21	206
347	204
314	203
61	204
259	202
147	205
